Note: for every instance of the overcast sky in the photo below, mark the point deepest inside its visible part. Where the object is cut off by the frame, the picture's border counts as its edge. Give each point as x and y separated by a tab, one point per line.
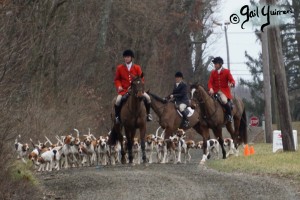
240	40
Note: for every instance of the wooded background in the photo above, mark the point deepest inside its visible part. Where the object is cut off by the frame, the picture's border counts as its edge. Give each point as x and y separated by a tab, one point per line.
58	59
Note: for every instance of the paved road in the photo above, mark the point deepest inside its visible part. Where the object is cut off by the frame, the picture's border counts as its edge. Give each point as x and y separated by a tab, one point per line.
161	181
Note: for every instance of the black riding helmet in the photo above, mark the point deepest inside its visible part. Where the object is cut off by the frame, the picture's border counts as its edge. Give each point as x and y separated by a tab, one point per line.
218	60
128	52
179	74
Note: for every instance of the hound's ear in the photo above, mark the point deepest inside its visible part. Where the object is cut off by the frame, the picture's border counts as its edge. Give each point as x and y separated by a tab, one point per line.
148	91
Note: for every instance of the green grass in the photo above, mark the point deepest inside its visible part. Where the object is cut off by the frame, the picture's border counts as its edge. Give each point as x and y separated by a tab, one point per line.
264	161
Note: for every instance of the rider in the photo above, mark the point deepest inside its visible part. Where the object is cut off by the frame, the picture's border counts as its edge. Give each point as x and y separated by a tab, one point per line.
220	81
180	94
123	77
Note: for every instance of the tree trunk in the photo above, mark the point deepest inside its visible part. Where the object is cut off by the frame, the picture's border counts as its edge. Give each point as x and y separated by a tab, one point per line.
267	88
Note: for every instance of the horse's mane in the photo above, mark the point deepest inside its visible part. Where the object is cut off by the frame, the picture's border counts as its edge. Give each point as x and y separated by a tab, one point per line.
157	98
196	85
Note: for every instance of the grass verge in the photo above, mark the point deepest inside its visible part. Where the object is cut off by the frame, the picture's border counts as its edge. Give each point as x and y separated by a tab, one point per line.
22	171
264	161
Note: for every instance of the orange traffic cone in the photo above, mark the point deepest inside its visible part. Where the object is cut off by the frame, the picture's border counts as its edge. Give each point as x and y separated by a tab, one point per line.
252	150
246	150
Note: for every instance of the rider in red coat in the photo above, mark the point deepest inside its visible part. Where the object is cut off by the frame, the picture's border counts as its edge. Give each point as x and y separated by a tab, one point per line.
123	77
220	81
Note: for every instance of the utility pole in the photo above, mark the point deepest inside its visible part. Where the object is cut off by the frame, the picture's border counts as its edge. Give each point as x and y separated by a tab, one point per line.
275	49
267	85
227	45
226	38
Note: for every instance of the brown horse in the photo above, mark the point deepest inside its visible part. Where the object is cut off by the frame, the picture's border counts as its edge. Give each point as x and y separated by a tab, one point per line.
170	121
213	114
133	116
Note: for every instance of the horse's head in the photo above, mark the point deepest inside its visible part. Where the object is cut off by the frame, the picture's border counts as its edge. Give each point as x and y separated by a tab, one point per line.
195	94
137	86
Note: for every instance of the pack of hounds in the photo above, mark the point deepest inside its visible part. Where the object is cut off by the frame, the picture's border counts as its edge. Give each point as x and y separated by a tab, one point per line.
87	150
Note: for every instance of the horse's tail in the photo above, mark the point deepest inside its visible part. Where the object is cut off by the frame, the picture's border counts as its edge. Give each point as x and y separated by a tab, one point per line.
243	128
114	135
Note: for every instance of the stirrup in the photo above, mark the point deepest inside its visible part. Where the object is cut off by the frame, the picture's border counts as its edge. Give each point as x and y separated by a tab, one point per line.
117	120
229	118
185	124
149	117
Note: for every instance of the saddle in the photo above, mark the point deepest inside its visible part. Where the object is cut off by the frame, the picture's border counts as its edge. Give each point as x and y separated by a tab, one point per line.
219	100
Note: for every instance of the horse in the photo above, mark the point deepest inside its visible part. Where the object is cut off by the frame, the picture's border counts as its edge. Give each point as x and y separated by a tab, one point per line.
133	116
214	116
170	120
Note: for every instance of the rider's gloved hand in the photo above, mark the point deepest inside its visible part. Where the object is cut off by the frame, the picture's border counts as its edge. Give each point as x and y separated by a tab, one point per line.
211	91
120	88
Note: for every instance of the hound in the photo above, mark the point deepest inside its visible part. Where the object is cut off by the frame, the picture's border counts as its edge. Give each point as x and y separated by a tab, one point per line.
149	146
228	143
102	150
21	149
50	159
213	146
190	145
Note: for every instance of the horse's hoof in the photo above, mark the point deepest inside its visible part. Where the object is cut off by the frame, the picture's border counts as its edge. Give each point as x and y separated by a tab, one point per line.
202	162
123	160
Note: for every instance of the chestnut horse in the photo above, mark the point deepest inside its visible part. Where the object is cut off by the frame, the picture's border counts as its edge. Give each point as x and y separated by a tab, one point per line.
170	121
133	116
213	114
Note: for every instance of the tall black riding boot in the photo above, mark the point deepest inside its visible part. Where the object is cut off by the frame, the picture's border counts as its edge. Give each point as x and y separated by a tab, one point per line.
228	112
148	106
185	121
117	114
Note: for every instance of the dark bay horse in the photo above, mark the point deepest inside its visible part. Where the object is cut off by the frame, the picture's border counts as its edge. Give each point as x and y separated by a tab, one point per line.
170	121
213	114
169	118
133	116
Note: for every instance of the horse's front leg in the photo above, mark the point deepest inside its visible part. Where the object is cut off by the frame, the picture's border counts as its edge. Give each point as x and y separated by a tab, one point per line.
233	132
167	133
205	152
129	151
205	135
123	152
221	142
130	137
179	153
142	137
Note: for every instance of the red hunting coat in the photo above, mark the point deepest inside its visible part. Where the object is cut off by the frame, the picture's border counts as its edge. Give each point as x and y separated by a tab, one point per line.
219	82
124	77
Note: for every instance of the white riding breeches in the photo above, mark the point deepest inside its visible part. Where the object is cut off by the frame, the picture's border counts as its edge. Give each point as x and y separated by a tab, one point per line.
182	106
119	98
223	97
